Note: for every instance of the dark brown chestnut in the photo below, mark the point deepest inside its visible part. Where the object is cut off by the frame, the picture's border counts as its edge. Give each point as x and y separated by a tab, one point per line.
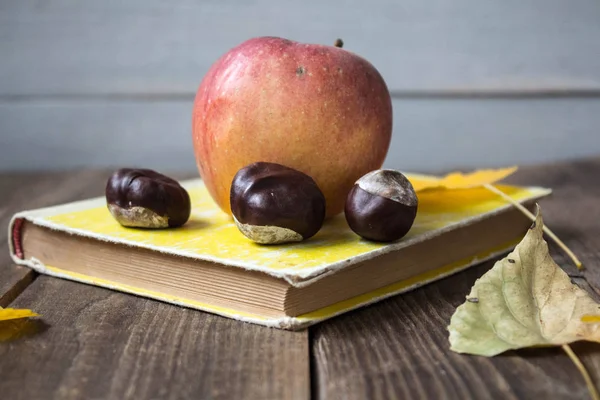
381	206
143	198
272	203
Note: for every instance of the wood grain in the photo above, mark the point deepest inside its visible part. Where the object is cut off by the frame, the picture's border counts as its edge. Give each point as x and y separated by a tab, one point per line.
13	280
462	133
399	348
157	47
122	76
573	212
101	344
21	191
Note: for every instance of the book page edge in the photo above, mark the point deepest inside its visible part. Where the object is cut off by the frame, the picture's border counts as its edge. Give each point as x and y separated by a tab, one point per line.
285	323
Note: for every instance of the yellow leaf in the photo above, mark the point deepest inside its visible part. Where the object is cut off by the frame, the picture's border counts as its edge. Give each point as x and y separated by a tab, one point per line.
13	323
13	313
590	318
457	180
525	300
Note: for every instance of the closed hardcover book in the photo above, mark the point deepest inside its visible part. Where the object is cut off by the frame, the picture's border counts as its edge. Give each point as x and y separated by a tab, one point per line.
207	264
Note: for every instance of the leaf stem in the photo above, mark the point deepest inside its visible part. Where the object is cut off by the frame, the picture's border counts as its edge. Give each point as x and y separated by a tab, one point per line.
547	230
582	370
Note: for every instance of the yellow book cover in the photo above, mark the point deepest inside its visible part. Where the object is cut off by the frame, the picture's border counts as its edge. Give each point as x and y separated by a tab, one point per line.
211	236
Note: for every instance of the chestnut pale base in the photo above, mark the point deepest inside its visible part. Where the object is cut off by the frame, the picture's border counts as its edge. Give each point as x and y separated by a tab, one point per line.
268	234
138	217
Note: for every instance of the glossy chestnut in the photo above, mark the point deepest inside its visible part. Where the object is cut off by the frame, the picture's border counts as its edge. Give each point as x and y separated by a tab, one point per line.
272	203
143	198
381	206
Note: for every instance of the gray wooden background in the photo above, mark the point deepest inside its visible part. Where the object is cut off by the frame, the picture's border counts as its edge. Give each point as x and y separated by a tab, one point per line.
475	83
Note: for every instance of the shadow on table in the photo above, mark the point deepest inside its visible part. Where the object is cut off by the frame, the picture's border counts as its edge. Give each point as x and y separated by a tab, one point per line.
21	328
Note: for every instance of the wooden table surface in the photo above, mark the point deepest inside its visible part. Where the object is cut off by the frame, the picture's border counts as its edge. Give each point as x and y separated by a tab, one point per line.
93	343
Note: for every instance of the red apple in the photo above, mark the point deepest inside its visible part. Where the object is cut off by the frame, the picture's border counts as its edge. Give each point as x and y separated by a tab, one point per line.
319	109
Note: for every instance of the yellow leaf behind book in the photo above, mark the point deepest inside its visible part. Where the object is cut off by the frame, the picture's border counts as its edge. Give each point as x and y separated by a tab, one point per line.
481	178
457	180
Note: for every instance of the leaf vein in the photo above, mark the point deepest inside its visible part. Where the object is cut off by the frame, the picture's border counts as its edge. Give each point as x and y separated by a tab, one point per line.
508	306
541	308
492	327
531	290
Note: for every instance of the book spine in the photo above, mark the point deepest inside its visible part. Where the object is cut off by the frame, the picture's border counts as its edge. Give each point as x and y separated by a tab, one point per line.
15	235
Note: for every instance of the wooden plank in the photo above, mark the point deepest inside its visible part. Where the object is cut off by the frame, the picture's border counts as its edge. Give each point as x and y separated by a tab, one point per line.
399	348
13	280
104	344
574	211
22	191
429	135
158	47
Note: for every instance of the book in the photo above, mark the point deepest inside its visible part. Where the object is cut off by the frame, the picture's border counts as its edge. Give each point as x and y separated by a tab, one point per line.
207	264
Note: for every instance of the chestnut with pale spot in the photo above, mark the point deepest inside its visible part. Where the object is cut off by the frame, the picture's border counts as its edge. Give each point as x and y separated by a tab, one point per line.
273	204
381	206
143	198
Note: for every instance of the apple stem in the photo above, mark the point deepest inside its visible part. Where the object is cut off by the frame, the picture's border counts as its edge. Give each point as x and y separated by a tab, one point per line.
339	43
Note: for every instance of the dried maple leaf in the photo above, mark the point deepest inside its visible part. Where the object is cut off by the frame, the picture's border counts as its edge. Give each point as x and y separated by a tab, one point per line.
457	180
525	300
